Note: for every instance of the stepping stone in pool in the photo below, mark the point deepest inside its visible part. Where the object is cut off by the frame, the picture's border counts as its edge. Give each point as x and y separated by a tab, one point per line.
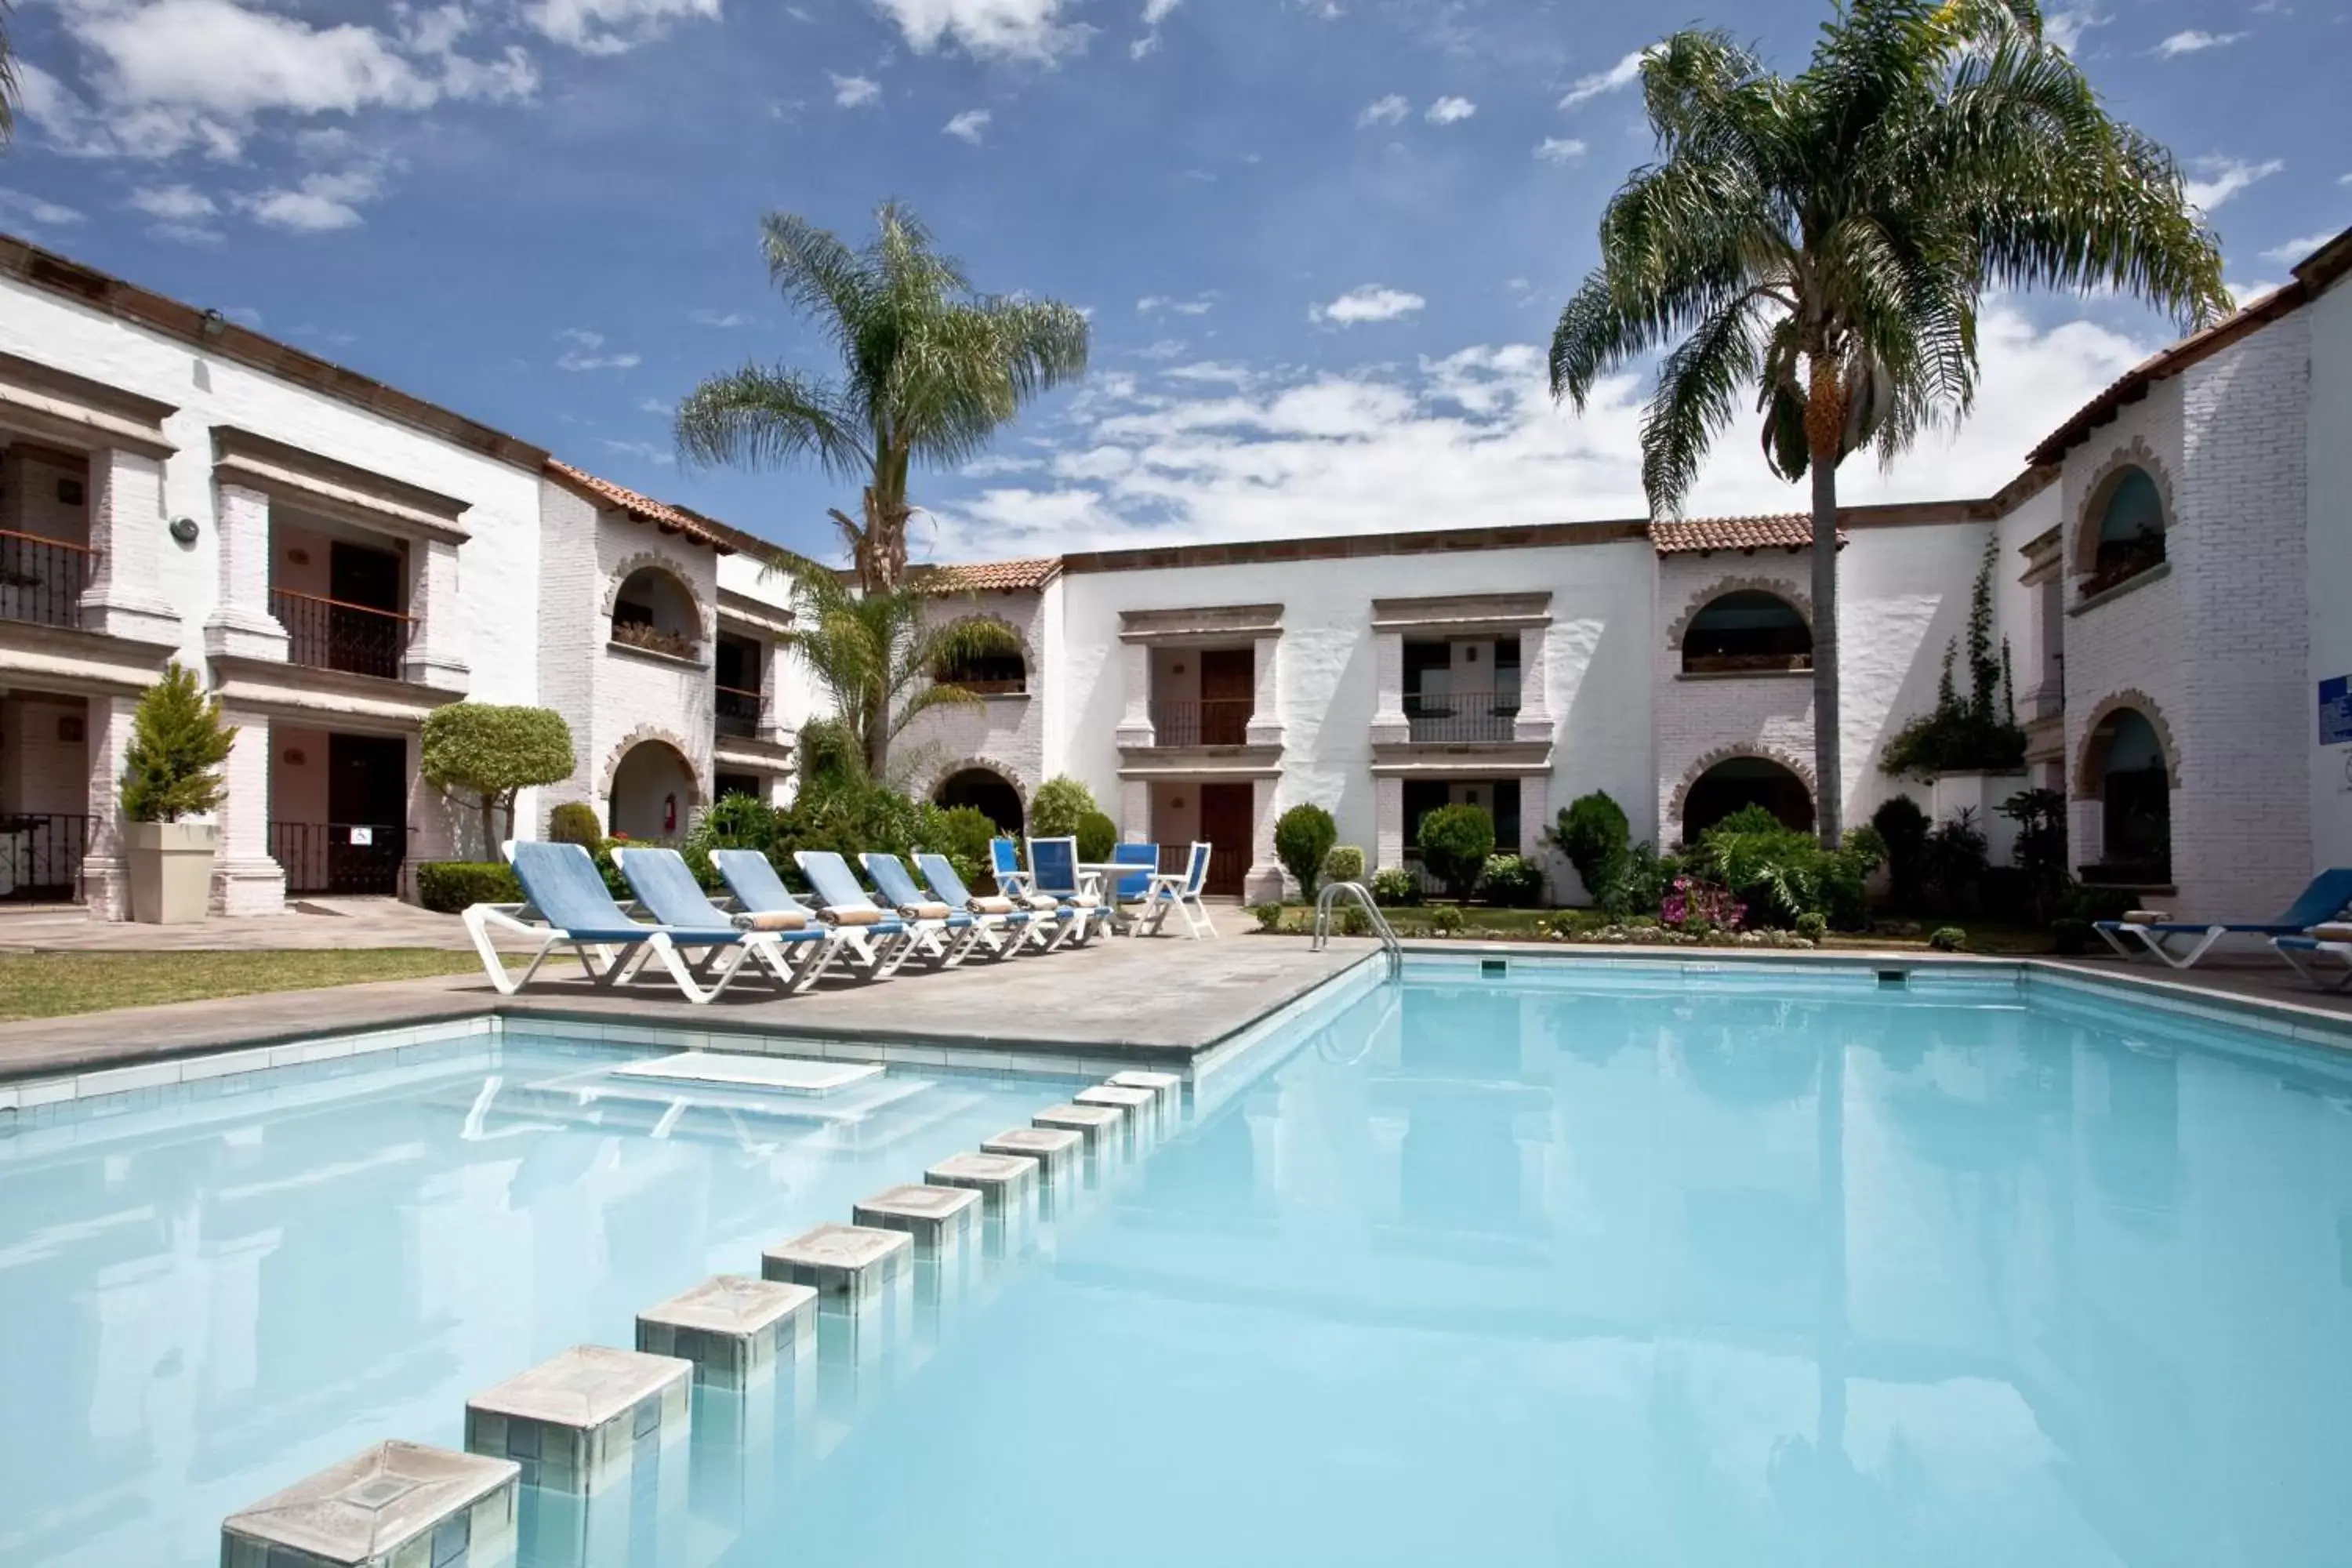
1141	1105
1167	1086
1102	1126
397	1502
583	1419
734	1330
1055	1150
1003	1180
848	1265
940	1219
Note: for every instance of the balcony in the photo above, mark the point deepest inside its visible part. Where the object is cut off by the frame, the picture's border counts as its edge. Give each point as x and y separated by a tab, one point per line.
1461	718
41	855
738	711
1216	721
42	579
328	634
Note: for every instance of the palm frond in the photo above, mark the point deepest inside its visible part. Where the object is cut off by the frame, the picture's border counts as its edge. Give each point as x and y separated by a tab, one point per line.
1695	397
760	416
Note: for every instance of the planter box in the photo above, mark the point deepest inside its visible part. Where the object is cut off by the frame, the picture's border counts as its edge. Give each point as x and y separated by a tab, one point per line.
170	871
1982	794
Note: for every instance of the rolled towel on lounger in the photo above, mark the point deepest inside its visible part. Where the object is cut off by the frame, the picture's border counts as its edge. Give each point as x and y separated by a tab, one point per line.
1087	901
925	911
1044	903
2335	931
993	906
775	920
854	917
2147	918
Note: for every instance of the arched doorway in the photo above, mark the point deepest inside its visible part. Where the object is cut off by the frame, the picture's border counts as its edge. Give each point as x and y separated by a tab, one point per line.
1737	782
2125	764
1747	629
985	791
653	792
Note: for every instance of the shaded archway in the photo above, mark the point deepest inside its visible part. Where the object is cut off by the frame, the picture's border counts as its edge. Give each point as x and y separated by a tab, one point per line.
1747	629
2125	765
985	791
1743	781
653	792
654	608
2121	531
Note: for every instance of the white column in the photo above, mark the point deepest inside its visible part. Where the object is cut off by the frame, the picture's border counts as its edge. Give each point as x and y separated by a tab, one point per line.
432	827
1265	714
246	881
125	597
1264	882
241	625
1135	810
435	657
1388	822
1534	722
105	880
773	727
1390	726
1535	814
1135	686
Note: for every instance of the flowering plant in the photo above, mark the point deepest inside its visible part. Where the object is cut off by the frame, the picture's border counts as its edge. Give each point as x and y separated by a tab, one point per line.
1690	902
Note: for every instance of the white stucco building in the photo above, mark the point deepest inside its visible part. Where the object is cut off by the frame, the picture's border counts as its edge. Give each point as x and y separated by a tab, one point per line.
339	558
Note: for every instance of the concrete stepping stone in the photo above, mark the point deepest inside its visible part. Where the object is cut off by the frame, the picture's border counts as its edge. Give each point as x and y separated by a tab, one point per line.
1141	1105
734	1330
397	1504
1167	1086
940	1219
850	1265
581	1420
1100	1125
1005	1182
1055	1150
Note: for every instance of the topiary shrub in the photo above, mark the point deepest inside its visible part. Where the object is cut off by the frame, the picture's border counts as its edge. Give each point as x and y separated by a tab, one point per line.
1948	939
452	887
1445	919
1813	925
1268	917
485	753
1395	885
1592	832
1344	864
1454	843
1303	836
1354	922
171	768
1512	882
574	822
1056	808
1098	836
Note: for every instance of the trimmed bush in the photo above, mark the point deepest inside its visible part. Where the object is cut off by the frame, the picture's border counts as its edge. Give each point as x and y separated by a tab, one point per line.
1268	917
485	754
1512	882
574	822
1303	836
178	742
1454	843
1344	864
1098	836
1813	925
451	887
1395	885
1948	939
1058	806
1592	832
1446	918
1354	922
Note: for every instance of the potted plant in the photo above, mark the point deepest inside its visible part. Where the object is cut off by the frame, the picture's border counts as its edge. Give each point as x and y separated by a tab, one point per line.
172	771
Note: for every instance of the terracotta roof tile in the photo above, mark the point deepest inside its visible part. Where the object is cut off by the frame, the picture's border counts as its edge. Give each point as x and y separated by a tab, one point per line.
987	576
644	508
1784	530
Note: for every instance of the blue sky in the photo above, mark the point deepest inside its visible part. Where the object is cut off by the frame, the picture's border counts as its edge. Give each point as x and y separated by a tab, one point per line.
1323	241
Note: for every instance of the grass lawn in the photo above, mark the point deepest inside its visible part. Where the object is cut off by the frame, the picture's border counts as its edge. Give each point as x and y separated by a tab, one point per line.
55	984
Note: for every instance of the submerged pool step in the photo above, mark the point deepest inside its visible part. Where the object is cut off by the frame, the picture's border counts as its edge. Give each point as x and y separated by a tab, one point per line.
779	1075
396	1504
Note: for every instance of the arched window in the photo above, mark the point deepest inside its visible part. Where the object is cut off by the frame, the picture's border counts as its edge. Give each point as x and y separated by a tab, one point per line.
1747	629
1737	782
2130	523
655	611
1001	673
2126	761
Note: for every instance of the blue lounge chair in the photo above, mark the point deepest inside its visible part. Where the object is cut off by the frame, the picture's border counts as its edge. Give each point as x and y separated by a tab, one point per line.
897	884
838	886
2305	954
2181	943
879	945
1004	861
664	885
1053	874
1132	886
1001	914
1180	892
565	890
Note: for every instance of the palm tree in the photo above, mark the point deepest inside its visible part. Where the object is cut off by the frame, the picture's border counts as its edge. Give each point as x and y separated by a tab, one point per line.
930	372
877	655
1829	238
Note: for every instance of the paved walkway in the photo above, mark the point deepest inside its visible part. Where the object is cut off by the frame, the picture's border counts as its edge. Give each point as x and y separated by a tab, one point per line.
309	923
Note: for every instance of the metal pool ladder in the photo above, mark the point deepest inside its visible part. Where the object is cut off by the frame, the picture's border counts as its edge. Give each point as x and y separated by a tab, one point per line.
1381	928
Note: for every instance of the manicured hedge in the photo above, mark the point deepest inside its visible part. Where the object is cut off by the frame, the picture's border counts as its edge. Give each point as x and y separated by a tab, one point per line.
447	887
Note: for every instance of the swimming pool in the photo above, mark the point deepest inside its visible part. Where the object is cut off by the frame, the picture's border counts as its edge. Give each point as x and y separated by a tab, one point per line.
1596	1264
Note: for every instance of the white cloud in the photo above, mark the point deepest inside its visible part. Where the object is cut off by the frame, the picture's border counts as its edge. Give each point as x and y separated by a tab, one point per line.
31	208
174	204
2065	26
582	354
1154	304
967	126
657	407
1450	111
1369	304
316	204
2225	177
2252	289
855	91
1009	29
997	464
612	27
2194	41
1154	12
1472	438
1389	110
728	318
1560	150
2294	251
644	451
1625	73
1164	349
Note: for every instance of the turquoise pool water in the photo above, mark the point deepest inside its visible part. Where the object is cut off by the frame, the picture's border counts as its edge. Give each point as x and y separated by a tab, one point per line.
1575	1267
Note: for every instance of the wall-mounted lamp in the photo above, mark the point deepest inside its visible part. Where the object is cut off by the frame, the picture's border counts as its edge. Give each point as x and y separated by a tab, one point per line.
184	529
297	557
296	757
212	323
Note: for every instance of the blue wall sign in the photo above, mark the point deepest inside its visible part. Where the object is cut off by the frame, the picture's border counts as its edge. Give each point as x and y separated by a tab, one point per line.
2335	711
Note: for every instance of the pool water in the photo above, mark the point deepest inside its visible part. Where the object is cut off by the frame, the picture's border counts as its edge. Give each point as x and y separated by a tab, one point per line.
1579	1267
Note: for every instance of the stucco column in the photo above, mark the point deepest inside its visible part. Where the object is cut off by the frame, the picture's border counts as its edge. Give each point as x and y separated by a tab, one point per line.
1134	810
105	880
1135	689
1388	822
1266	715
1265	883
1534	721
1535	816
246	881
773	727
1390	726
435	656
125	597
241	625
431	830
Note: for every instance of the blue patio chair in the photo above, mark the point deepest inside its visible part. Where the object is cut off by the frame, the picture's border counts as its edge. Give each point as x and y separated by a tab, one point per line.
1133	886
2181	943
917	907
1004	861
880	945
574	909
796	953
1180	892
1053	874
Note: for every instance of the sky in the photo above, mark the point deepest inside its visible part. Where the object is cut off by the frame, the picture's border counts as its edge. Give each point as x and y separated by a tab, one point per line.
1322	243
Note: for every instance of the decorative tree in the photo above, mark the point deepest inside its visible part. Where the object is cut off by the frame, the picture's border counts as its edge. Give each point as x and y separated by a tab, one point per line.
486	755
1303	836
1059	805
178	743
1454	843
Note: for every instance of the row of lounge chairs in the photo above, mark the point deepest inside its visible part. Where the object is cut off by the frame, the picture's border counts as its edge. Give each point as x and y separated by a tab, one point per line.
928	916
2313	934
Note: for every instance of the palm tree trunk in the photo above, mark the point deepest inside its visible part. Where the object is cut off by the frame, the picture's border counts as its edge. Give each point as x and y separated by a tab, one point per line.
1829	813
